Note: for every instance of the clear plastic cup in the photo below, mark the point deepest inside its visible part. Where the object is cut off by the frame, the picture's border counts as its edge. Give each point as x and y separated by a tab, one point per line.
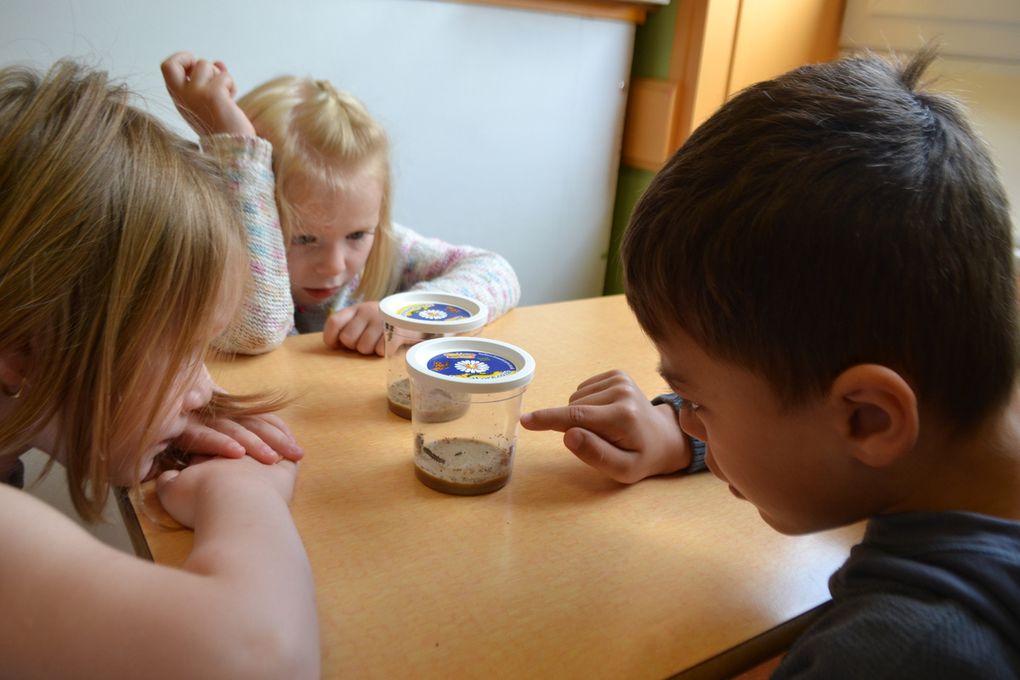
466	396
409	318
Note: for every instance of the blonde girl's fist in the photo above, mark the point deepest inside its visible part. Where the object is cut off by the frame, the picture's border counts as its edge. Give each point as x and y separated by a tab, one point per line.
203	92
233	482
358	328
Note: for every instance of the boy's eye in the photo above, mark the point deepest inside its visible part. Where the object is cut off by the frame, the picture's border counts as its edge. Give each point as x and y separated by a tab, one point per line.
303	240
692	406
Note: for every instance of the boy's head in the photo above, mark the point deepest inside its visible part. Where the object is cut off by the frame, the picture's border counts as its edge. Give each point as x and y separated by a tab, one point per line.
331	161
835	217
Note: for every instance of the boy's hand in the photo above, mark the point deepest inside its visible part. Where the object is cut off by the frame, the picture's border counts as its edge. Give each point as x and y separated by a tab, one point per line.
264	437
203	92
610	425
358	327
180	491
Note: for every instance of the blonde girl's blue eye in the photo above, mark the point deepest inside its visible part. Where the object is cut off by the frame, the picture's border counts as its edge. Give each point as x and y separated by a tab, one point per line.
303	240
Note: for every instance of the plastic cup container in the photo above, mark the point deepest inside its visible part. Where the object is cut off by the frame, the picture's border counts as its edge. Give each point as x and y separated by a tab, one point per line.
481	380
409	318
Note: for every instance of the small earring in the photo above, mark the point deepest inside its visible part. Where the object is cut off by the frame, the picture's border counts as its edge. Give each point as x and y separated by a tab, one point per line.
14	394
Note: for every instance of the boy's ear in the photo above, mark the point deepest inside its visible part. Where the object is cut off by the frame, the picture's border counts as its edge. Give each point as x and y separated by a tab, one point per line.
877	412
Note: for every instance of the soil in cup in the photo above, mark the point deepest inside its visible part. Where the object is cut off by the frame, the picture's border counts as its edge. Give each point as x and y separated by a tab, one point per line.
398	394
466	467
439	406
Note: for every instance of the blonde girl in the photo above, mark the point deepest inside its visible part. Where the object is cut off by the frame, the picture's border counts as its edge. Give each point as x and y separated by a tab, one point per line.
120	257
311	167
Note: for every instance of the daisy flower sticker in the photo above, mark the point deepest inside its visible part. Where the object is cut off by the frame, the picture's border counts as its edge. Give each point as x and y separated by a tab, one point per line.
471	366
432	314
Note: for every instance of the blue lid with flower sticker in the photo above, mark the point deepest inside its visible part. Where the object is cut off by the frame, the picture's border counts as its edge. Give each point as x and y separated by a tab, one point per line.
433	312
470	365
462	364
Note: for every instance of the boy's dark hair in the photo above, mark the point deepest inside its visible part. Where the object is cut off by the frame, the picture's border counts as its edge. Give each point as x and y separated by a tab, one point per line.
833	216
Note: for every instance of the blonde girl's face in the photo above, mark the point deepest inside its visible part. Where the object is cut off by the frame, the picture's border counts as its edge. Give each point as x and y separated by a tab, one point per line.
133	455
333	233
191	390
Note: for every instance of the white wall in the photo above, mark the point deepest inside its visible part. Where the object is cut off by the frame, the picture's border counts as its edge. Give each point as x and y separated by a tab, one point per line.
980	42
505	123
52	489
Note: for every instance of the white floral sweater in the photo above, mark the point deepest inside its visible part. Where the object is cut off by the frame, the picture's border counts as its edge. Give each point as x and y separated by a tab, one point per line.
268	313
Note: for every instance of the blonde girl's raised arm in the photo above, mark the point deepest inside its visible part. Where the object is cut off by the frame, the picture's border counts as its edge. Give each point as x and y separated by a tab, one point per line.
242	605
432	264
266	314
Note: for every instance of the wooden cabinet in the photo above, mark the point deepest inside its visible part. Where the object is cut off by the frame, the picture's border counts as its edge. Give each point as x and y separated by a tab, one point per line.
634	11
718	48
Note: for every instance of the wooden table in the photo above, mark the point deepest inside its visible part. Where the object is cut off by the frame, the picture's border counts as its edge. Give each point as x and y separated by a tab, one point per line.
563	573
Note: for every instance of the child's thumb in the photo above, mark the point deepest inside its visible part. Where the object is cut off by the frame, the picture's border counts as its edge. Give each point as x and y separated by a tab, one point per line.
166	478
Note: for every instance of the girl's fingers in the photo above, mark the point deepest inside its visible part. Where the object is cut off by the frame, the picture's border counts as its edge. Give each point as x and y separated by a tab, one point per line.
279	423
175	69
277	439
204	439
201	73
231	88
370	338
253	445
351	333
334	325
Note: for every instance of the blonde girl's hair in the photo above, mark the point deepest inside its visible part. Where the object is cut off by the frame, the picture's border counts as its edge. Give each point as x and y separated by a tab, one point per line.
117	244
326	135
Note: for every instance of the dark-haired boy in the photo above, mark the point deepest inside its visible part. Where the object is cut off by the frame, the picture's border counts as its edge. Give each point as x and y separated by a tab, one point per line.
826	270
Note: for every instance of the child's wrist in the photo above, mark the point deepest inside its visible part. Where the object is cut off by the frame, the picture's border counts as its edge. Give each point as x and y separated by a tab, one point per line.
694	447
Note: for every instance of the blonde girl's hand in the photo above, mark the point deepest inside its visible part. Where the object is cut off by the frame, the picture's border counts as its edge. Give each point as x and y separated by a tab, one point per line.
610	425
203	92
180	491
358	327
264	437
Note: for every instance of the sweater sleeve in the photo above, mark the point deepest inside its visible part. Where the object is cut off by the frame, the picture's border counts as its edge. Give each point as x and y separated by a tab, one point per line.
432	264
266	314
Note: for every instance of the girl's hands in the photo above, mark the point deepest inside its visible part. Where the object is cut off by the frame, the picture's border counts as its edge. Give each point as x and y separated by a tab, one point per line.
264	437
358	327
181	492
610	425
203	92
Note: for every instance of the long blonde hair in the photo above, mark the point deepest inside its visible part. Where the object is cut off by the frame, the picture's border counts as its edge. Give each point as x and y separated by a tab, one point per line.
327	135
116	242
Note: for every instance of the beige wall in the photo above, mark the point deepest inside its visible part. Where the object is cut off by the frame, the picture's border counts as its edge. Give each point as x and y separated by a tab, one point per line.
991	91
980	44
